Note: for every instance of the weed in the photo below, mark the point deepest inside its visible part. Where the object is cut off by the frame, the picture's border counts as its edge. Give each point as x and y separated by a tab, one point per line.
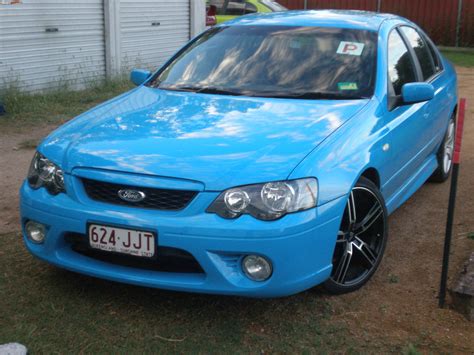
393	279
28	144
411	350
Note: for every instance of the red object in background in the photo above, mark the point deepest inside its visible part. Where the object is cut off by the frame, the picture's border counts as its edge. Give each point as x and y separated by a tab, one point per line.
369	5
437	17
459	129
211	13
10	2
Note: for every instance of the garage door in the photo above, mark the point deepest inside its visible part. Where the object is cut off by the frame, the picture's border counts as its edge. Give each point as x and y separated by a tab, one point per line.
47	43
151	31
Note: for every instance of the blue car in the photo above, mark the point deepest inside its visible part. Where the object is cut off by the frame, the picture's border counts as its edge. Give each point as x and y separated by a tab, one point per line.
262	159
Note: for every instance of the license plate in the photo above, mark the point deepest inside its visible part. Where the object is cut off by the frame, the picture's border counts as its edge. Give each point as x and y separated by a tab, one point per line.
120	240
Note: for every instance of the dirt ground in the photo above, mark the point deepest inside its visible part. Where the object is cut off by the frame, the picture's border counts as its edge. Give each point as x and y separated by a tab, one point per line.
399	305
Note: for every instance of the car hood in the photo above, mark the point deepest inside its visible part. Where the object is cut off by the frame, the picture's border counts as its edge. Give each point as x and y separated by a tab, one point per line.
220	141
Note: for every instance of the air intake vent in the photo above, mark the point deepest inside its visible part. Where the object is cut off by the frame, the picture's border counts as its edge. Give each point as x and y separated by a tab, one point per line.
158	199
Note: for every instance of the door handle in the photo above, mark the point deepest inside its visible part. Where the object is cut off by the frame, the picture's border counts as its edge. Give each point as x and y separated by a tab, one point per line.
426	111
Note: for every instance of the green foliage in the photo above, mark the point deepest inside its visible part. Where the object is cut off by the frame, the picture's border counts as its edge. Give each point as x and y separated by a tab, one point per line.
463	59
58	105
411	350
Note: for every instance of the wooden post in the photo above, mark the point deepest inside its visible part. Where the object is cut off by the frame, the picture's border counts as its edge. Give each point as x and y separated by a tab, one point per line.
458	23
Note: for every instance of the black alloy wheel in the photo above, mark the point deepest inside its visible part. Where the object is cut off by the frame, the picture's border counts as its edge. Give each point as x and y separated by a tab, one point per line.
361	239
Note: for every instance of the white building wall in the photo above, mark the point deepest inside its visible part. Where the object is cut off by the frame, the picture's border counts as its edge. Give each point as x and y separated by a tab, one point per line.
152	30
54	43
48	43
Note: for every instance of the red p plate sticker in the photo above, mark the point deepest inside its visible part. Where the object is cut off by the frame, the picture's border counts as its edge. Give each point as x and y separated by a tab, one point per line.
350	48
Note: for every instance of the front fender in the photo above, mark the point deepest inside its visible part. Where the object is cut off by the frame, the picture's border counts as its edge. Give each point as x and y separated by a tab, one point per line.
339	161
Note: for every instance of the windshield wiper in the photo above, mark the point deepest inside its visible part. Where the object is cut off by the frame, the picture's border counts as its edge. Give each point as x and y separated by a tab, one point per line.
214	90
203	90
315	96
274	94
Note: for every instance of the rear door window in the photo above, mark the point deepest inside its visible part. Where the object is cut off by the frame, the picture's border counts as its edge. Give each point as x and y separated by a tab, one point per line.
219	4
250	8
234	7
435	56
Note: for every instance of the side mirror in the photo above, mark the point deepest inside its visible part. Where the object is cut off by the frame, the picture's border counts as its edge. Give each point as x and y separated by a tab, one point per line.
417	92
139	76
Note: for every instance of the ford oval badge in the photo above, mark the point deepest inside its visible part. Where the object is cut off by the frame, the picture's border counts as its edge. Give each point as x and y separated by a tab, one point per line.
131	195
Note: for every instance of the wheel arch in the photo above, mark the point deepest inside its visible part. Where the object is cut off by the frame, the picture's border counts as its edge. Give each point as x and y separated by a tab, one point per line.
371	174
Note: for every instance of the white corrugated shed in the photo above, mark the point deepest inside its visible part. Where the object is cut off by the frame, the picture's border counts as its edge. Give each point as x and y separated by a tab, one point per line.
152	30
54	43
47	43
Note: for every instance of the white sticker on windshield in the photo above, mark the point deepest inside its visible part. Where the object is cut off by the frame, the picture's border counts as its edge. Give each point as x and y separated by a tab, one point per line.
350	48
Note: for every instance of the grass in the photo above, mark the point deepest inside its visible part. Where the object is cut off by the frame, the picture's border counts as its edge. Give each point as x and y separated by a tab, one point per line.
54	311
411	350
463	59
56	106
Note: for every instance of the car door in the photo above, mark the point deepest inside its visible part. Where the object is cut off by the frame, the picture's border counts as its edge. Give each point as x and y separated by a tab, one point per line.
410	132
436	110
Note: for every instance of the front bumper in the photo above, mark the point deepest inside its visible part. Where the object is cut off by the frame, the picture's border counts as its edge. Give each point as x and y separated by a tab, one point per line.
300	245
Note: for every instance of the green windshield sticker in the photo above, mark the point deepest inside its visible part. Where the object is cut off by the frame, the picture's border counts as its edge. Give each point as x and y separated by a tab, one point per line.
347	86
300	42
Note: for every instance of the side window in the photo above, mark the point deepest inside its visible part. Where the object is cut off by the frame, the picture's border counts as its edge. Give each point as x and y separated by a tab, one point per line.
219	4
400	65
422	52
435	56
235	8
250	8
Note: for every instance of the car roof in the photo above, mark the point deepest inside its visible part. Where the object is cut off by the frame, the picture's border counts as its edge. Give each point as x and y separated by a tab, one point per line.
354	19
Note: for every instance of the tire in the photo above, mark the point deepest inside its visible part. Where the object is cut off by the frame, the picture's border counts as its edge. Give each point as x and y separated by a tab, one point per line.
445	155
361	240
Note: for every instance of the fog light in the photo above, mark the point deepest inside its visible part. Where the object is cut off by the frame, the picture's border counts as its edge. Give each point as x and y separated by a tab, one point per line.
35	231
257	268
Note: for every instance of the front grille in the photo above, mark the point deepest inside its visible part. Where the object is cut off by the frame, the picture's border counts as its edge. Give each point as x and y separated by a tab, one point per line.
166	259
159	199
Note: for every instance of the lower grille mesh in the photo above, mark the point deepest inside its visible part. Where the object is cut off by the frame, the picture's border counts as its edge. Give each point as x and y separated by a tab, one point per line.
166	260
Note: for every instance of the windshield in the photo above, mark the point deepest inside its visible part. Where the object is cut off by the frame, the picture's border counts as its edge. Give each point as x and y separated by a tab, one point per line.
275	61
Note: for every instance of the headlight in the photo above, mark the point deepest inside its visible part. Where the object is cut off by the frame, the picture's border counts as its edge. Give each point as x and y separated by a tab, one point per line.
44	173
268	201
